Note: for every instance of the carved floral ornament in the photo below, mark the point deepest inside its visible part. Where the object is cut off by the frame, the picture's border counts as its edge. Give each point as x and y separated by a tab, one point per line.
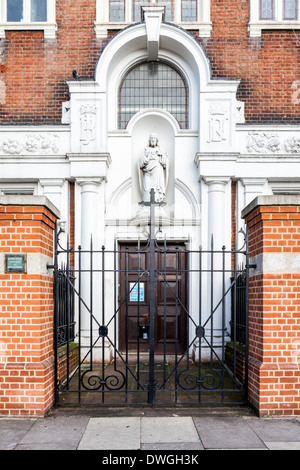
33	144
269	142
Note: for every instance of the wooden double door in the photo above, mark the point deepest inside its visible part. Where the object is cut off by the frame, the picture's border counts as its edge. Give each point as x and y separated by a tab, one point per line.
171	317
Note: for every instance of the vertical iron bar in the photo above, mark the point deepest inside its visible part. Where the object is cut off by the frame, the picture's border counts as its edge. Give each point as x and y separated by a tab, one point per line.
176	325
138	316
68	312
185	264
151	389
103	320
55	314
115	293
211	300
91	304
223	319
236	308
247	318
126	320
79	323
165	310
199	323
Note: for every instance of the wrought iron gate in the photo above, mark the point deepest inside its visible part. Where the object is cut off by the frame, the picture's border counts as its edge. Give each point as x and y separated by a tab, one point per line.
154	324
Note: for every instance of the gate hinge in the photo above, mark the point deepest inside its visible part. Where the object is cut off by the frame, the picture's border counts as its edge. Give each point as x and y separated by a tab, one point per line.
248	266
50	266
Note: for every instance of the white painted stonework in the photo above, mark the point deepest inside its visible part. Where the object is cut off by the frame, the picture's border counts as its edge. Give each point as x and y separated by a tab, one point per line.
89	148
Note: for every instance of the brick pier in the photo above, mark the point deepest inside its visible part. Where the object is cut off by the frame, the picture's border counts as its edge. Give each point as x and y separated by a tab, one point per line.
26	316
274	304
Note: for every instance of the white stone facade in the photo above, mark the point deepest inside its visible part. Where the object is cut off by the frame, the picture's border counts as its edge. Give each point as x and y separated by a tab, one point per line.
89	149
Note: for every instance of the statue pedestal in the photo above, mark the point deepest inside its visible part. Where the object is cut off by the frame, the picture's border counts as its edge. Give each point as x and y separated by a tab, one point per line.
143	217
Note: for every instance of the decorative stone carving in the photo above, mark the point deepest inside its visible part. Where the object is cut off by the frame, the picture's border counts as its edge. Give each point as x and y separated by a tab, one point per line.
292	145
12	147
153	170
263	142
33	144
88	123
217	125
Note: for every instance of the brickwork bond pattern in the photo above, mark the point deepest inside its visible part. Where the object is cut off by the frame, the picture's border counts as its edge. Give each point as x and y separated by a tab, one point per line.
26	315
34	69
274	312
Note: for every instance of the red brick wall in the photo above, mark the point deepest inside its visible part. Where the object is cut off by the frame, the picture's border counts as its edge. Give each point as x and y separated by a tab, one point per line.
274	313
267	66
26	322
34	70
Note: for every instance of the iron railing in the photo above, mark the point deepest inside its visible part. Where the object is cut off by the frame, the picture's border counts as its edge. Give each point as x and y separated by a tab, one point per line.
118	307
239	310
64	301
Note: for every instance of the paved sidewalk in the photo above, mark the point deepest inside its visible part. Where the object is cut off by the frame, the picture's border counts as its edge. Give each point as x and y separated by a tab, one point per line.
123	430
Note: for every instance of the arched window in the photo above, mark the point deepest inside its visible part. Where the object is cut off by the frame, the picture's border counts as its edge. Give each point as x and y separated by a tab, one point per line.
153	85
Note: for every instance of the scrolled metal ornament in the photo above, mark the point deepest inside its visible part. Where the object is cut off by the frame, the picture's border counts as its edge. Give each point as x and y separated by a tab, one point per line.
189	381
112	382
210	381
97	382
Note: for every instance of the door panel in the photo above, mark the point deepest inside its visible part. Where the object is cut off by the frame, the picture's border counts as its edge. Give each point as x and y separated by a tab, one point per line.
170	299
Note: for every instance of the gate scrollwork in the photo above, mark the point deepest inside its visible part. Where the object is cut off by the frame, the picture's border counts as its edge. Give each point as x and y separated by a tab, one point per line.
96	382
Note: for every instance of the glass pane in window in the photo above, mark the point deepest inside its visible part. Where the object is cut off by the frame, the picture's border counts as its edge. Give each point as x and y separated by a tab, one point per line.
153	85
189	10
116	11
267	9
169	10
137	9
14	10
290	10
38	10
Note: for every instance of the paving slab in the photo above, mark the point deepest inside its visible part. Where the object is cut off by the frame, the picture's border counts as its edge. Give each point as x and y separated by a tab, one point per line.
227	433
168	430
111	434
283	445
12	431
275	429
58	433
173	446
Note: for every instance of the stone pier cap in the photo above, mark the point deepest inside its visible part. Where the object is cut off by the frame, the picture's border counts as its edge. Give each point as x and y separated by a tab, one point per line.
271	200
29	200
